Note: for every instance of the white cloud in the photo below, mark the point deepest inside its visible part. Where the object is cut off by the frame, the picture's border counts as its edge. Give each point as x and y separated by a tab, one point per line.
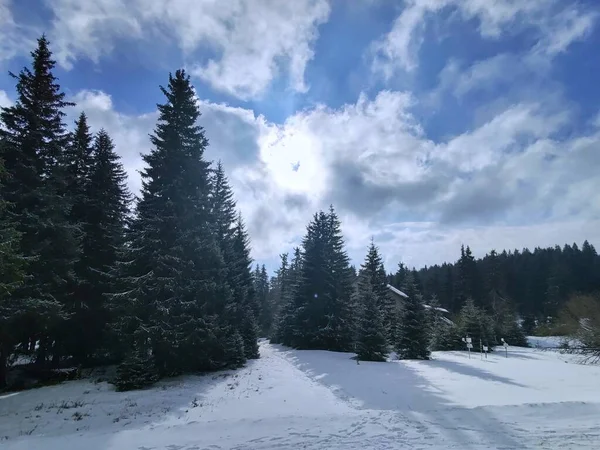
14	38
490	143
4	100
130	133
557	26
254	41
372	160
400	46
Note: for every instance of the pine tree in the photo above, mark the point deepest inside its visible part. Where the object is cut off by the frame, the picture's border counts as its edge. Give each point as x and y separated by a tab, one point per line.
137	371
374	270
437	329
233	241
278	294
474	323
304	309
261	286
413	338
288	277
321	307
223	211
338	333
176	293
244	294
34	141
468	282
78	166
107	202
78	161
371	342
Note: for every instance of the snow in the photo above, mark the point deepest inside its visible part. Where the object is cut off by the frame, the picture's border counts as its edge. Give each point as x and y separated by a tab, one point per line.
292	399
552	341
396	291
444	310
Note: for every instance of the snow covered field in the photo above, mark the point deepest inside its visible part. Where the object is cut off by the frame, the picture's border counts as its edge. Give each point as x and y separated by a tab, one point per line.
323	400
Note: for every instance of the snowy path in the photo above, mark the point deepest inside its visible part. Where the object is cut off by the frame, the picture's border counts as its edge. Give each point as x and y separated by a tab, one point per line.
323	400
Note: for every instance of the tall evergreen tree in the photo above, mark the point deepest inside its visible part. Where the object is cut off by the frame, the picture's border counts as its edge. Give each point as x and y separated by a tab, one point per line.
413	337
107	206
177	296
261	286
223	211
78	161
34	141
281	301
288	278
322	312
244	293
307	308
235	250
337	334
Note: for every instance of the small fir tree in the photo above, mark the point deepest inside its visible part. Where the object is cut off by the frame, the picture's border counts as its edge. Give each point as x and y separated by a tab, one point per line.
371	342
413	339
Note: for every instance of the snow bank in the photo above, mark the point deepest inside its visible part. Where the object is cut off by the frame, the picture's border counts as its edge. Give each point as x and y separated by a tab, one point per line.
552	341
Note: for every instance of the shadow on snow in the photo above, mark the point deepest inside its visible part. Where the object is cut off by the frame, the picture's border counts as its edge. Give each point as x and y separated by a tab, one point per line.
397	388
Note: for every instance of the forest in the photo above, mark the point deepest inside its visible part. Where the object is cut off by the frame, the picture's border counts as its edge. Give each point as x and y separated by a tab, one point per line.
163	283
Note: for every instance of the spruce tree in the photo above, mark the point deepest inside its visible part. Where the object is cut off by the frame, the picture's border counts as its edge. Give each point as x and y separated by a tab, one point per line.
371	341
413	337
107	207
223	211
78	161
176	294
34	141
78	166
337	334
321	307
374	270
474	323
244	294
261	286
283	312
235	249
307	306
441	335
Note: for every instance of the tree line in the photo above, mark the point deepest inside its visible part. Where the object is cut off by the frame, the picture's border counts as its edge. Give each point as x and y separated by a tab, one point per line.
160	285
537	284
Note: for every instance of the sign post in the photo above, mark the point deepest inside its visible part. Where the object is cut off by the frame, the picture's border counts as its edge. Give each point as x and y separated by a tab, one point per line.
469	343
505	344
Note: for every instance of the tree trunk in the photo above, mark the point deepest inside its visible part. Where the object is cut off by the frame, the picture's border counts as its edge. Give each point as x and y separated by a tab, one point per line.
41	352
3	366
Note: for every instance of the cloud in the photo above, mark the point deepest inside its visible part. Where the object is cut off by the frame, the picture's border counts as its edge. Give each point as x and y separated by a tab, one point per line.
251	43
15	38
419	199
555	24
129	133
5	101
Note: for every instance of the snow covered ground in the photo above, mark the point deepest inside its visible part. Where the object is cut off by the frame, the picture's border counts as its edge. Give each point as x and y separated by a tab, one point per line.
323	400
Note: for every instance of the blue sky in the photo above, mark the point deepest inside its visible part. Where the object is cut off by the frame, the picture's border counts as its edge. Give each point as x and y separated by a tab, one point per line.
427	123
